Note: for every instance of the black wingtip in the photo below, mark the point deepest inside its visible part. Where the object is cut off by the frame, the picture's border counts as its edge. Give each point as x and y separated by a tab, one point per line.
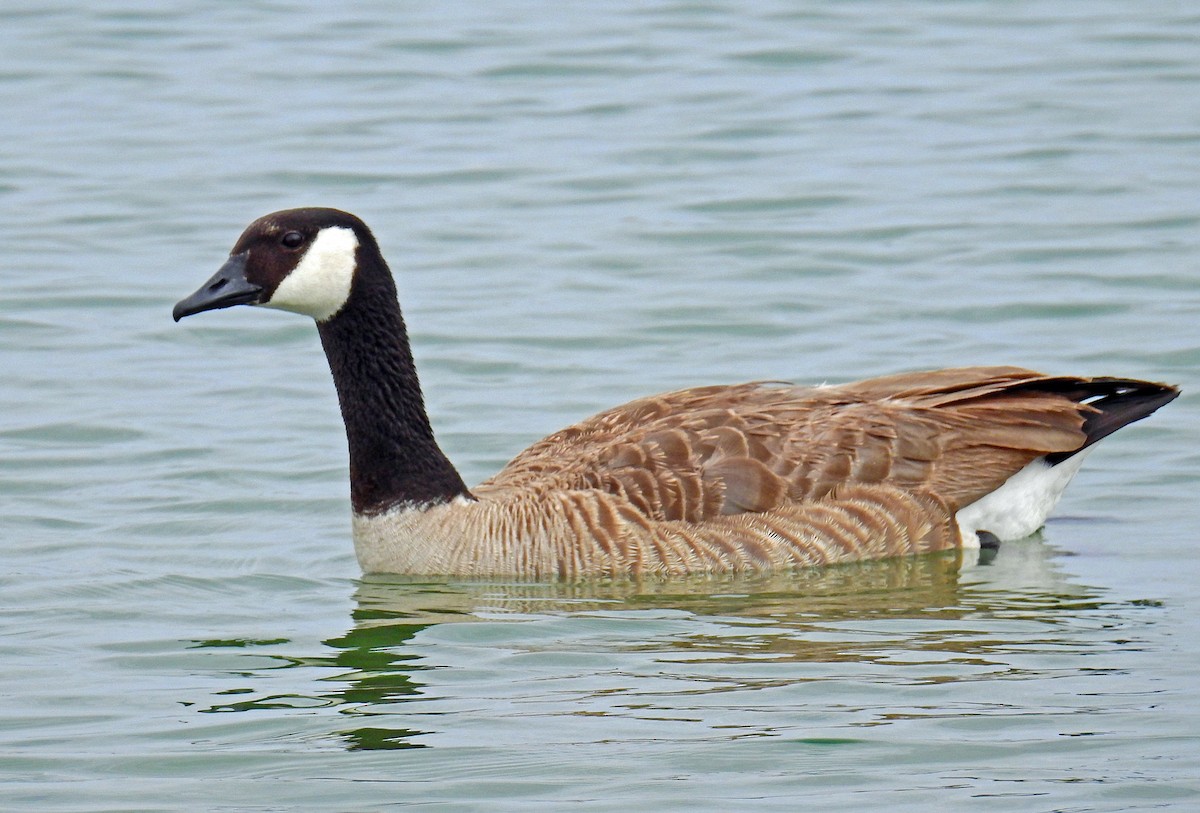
1115	403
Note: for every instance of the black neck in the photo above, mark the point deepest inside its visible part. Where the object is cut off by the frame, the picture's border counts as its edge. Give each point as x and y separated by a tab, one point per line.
394	458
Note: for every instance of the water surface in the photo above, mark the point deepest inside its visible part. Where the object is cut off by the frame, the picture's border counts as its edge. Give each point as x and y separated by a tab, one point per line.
584	205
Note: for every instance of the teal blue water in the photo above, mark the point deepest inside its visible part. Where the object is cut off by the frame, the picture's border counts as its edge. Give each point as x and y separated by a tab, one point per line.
583	204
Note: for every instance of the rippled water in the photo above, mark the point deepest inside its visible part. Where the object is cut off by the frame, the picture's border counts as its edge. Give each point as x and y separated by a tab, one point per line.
584	204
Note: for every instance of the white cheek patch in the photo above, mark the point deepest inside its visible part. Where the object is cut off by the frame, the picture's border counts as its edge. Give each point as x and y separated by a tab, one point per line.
320	284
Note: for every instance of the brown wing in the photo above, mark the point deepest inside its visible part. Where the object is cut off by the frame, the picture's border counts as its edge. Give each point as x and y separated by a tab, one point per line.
701	453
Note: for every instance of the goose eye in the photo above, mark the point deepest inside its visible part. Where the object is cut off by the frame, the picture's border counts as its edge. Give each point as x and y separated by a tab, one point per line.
292	239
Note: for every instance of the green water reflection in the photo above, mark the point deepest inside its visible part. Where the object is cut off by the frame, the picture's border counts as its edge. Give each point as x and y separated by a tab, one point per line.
422	651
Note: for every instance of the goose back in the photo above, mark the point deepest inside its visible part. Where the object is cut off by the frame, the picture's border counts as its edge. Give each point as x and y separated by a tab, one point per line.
698	453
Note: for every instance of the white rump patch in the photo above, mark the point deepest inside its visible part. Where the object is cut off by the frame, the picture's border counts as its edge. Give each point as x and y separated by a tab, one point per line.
319	285
1020	506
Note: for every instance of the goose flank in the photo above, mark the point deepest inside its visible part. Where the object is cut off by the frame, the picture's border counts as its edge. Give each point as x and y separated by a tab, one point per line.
748	477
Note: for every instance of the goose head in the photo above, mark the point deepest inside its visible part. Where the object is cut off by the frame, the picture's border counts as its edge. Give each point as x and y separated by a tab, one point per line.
300	260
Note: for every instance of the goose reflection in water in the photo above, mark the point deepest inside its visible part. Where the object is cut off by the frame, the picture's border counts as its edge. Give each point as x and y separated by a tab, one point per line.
424	658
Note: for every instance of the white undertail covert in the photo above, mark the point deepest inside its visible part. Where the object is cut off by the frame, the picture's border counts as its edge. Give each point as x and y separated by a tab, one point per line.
1020	506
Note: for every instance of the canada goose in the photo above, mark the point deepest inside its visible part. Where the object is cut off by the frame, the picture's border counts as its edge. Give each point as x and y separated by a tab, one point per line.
752	476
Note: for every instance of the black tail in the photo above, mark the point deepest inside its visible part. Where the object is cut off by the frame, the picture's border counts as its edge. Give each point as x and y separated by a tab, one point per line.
1117	402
